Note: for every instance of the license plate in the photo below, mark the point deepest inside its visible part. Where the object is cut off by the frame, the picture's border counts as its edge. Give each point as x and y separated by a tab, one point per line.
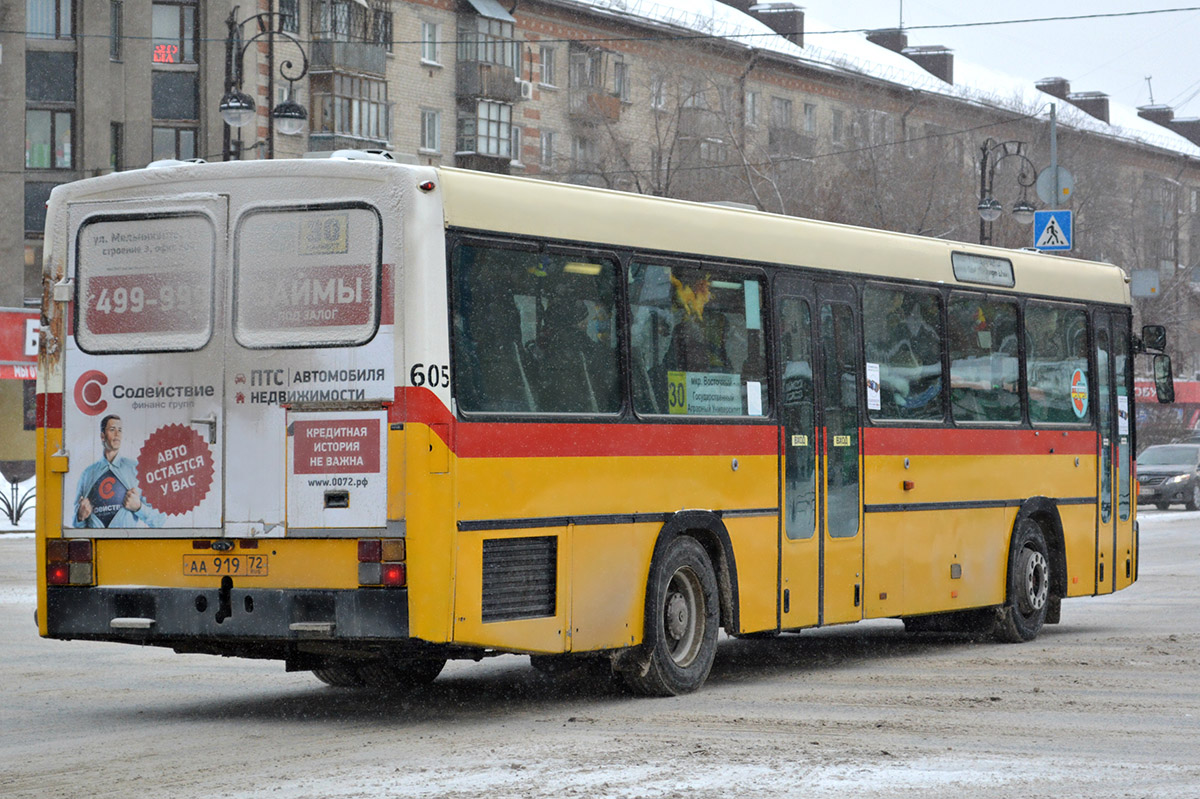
224	565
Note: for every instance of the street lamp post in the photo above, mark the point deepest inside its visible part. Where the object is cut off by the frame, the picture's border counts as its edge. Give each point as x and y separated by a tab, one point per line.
238	109
992	153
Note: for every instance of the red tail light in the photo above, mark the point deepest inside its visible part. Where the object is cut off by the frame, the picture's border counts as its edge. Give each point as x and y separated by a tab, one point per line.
69	561
393	575
381	562
58	574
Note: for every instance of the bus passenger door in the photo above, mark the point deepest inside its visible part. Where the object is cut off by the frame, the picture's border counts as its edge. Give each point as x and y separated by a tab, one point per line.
800	574
1115	566
820	548
838	425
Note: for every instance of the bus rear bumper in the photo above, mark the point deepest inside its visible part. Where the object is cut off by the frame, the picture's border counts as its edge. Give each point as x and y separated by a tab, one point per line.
179	616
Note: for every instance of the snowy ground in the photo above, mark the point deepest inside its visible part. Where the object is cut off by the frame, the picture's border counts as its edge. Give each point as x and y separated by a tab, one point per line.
1104	705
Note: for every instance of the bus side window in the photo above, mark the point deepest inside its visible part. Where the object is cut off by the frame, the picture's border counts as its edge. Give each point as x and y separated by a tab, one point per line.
984	385
489	364
697	341
1056	366
903	337
534	332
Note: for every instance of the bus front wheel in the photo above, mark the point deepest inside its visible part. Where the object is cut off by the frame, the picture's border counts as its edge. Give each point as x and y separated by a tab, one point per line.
682	616
1024	610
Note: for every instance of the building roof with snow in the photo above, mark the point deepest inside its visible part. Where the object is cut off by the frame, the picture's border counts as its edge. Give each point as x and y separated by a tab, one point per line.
826	48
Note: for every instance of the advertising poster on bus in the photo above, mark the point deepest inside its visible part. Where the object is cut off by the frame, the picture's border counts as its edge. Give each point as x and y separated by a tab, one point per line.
186	372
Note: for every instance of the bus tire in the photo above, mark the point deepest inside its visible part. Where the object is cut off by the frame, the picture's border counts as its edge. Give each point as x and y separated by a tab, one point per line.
339	675
682	616
1029	579
401	675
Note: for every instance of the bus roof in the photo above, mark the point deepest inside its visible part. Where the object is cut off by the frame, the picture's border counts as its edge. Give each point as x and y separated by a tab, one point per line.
482	201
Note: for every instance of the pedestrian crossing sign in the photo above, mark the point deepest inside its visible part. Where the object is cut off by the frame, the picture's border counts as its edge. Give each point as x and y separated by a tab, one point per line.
1052	230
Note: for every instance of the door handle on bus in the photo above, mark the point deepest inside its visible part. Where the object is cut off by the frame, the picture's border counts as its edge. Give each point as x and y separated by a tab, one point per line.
211	422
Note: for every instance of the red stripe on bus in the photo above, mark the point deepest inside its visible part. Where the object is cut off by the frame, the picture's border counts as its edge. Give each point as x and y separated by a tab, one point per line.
49	410
567	439
941	441
580	439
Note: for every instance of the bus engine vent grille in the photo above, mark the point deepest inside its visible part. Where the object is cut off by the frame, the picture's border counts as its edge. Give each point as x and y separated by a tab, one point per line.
519	578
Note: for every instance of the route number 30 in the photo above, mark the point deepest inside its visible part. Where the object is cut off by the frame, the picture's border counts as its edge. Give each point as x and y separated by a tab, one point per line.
432	375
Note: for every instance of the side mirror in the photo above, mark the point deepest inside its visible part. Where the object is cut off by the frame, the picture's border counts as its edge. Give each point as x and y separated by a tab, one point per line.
1154	337
1164	382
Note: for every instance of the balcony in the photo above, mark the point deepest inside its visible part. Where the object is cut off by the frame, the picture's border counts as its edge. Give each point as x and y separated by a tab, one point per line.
479	79
786	141
350	56
590	106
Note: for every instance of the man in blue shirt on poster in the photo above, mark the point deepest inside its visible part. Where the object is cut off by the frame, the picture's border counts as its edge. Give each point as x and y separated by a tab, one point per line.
108	495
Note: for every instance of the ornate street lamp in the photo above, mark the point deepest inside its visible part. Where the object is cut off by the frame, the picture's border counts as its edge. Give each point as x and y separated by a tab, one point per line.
238	108
990	209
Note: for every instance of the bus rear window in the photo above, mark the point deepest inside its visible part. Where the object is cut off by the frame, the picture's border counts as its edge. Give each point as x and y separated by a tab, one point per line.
307	277
145	282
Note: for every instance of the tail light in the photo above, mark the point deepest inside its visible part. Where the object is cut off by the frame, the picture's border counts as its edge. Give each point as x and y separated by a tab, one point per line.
69	561
381	562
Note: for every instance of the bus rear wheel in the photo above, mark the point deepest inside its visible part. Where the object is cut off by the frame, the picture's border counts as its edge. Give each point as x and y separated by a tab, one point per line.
339	675
1024	611
682	616
401	675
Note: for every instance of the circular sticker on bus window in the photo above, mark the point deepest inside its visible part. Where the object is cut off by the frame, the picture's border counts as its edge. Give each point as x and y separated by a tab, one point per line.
1079	394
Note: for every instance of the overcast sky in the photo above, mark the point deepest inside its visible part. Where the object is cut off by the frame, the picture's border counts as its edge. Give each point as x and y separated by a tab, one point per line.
1110	55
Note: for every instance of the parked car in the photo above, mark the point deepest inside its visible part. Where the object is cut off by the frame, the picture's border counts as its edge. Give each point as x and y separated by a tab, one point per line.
1168	474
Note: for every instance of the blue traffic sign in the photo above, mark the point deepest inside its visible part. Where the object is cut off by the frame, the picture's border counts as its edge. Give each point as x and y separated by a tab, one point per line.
1052	230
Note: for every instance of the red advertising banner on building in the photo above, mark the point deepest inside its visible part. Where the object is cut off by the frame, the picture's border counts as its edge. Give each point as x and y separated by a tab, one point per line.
18	344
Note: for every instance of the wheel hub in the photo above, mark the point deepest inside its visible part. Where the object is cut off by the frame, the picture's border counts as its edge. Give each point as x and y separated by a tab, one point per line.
1037	588
677	616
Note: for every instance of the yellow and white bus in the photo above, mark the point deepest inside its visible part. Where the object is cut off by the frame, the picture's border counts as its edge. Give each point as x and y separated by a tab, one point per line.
364	417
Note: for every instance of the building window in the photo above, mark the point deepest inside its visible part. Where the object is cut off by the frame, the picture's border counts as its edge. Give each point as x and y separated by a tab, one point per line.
621	81
488	132
713	151
289	15
658	94
173	95
170	142
516	144
116	152
583	153
429	42
549	76
381	29
114	30
36	196
839	125
49	117
546	156
173	30
48	139
50	76
751	109
49	19
695	94
489	41
781	113
810	119
431	130
349	105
